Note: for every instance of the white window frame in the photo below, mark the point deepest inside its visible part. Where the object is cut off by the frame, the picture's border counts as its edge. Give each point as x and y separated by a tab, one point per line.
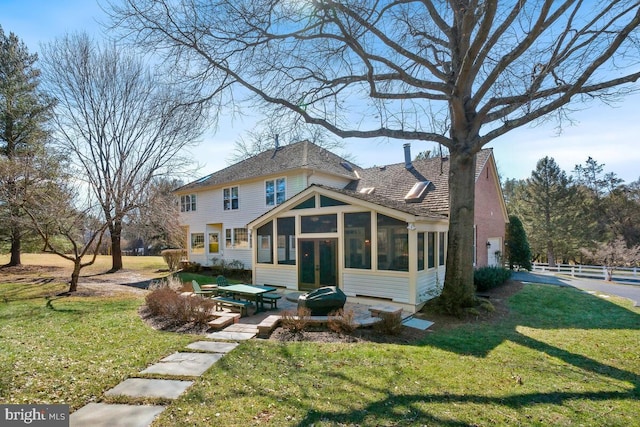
274	183
230	238
228	198
199	249
188	203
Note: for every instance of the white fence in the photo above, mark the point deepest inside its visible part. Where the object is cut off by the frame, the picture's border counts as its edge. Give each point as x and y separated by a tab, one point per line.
620	274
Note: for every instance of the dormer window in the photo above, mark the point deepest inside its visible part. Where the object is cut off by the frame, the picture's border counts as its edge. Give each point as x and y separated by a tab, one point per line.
417	191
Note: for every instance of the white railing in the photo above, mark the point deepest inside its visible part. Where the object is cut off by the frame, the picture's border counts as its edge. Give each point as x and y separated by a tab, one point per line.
631	274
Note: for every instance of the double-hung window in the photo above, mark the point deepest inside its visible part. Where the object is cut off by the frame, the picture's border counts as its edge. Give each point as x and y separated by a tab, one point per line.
197	243
230	198
188	203
275	191
236	238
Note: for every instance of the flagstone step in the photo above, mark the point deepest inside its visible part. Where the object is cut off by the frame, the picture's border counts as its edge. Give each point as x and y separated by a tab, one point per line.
187	364
114	415
153	388
213	346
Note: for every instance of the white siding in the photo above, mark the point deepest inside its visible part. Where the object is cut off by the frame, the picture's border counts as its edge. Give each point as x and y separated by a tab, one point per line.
328	180
429	284
392	286
251	205
277	275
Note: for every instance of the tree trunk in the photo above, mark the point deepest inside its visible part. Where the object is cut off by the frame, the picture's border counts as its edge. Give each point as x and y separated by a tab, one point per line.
116	247
16	246
75	275
458	288
551	257
14	224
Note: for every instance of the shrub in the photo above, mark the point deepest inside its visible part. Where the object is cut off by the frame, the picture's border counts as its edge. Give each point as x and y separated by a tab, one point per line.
342	322
165	302
158	299
486	278
389	325
296	322
171	282
192	267
173	257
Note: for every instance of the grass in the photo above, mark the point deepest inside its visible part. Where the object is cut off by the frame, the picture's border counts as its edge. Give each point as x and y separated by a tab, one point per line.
562	357
74	350
202	279
148	264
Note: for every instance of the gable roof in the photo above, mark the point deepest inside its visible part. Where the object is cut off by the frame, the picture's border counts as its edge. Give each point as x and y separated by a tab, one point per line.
394	181
299	155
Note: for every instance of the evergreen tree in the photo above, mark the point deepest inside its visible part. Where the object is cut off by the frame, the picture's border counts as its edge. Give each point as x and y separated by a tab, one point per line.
517	245
549	207
24	110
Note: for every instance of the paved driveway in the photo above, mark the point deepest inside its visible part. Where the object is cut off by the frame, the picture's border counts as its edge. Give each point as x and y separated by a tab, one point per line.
631	292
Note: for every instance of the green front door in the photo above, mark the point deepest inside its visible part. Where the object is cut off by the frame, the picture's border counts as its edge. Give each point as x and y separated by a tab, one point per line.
318	264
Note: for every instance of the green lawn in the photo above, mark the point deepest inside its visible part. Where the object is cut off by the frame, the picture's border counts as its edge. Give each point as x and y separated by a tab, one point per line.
74	350
562	357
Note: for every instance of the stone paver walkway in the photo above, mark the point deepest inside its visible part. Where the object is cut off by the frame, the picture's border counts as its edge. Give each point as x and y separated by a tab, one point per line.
178	364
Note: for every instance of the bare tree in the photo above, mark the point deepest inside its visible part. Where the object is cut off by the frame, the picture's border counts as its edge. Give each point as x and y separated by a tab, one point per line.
156	221
614	253
121	124
283	130
460	73
67	231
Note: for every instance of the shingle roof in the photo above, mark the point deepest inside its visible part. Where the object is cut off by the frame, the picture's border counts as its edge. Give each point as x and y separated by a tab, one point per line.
300	155
394	181
401	206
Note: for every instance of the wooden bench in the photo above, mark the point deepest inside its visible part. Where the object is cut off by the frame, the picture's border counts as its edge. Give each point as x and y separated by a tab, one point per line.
233	303
271	299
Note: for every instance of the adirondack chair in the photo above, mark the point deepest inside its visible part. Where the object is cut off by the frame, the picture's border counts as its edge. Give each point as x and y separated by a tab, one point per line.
222	282
202	292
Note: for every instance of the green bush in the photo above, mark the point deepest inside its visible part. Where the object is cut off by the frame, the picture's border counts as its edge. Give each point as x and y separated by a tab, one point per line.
486	278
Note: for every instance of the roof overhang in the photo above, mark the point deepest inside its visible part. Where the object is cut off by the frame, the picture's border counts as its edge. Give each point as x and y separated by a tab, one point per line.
342	196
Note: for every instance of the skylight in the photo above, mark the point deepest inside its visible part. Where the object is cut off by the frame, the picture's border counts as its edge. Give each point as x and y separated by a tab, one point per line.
417	191
203	179
367	190
347	166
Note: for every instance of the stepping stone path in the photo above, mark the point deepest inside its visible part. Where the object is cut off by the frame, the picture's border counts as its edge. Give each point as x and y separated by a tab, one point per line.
204	354
190	364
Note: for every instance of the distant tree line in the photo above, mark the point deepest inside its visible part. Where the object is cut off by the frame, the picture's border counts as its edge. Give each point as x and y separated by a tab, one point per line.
585	216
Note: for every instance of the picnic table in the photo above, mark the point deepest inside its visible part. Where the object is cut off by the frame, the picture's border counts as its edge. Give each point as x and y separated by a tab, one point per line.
253	292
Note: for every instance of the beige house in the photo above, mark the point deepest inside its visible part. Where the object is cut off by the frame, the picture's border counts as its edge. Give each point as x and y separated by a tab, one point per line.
301	217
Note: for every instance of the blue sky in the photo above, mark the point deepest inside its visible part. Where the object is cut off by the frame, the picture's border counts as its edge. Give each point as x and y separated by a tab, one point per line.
611	135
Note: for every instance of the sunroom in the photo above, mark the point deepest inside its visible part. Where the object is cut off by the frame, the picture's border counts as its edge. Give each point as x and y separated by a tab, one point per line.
372	248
